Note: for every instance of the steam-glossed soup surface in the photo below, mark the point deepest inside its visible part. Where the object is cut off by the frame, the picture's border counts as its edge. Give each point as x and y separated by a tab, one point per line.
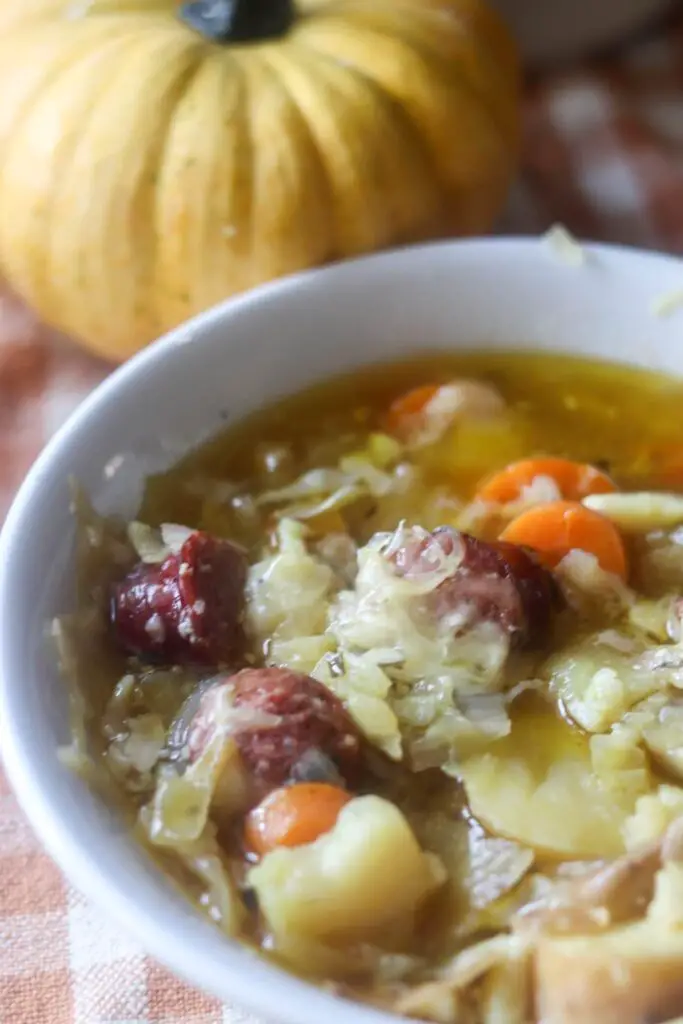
388	677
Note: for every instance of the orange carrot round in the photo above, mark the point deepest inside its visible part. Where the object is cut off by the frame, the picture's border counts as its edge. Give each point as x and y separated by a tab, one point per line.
575	480
558	527
403	410
294	815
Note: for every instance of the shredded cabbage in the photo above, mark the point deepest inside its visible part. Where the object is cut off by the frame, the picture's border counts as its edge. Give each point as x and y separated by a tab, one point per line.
387	610
358	474
133	755
301	654
154	546
405	672
363	684
590	590
564	246
315	483
288	593
406	676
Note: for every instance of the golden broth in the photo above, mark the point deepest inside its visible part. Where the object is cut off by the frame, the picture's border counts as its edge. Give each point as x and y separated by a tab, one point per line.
612	416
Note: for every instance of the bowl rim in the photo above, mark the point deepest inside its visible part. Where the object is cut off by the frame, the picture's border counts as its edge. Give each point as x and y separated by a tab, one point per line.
254	983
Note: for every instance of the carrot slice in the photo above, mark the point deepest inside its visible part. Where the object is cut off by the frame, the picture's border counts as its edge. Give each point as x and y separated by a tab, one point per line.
575	480
294	815
403	410
558	527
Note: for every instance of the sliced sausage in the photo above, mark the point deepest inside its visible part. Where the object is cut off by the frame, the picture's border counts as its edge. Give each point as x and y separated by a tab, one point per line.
189	609
284	723
492	582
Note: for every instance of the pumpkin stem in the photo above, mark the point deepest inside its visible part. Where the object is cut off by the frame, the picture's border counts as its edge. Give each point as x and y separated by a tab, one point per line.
238	21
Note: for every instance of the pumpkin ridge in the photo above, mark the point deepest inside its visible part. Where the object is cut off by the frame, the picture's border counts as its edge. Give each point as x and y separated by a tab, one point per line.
274	59
50	75
463	65
175	195
180	87
390	108
120	208
35	280
169	189
417	53
398	70
334	248
46	71
298	258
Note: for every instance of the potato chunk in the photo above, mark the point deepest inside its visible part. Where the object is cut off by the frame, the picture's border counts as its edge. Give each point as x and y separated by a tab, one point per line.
542	787
598	683
363	881
639	512
624	976
652	816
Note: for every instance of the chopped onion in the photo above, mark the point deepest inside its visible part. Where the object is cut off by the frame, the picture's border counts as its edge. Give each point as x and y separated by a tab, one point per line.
315	482
617	641
564	246
139	748
588	586
174	536
361	470
667	303
339	499
148	543
495	867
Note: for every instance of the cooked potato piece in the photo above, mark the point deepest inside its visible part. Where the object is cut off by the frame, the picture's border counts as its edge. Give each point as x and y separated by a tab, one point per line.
538	786
639	512
598	683
364	880
621	766
624	976
565	812
653	617
658	721
666	909
664	736
653	815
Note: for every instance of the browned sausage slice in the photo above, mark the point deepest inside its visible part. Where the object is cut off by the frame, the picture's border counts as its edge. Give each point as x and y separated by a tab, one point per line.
188	609
295	720
493	582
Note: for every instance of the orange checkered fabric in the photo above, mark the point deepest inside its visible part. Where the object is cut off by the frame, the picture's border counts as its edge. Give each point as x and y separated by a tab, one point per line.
603	155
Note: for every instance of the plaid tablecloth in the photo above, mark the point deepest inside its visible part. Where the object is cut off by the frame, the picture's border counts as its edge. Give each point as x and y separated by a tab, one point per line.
604	156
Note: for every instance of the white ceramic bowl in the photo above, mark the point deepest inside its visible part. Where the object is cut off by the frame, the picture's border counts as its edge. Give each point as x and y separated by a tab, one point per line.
504	293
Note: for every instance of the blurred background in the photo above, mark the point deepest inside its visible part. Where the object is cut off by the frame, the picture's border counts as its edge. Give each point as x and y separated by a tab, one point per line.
601	152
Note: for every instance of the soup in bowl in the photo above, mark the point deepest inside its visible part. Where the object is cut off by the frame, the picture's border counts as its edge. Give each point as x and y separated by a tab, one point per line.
379	682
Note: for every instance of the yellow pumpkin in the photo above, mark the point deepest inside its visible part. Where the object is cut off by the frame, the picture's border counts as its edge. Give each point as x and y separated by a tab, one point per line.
156	158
